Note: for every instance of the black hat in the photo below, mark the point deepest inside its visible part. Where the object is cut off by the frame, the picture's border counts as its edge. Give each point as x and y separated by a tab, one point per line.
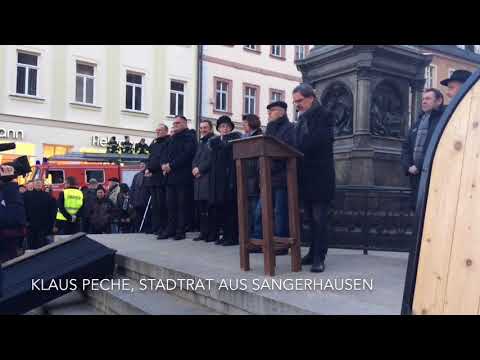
224	119
281	104
457	75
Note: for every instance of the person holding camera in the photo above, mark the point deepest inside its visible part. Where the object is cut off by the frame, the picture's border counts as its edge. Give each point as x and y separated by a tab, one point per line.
12	215
70	208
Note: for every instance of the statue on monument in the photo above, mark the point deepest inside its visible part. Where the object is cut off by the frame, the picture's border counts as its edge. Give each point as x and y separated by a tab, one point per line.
386	117
339	100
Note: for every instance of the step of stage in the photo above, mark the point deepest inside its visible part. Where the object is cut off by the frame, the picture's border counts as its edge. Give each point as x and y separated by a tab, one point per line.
132	301
141	256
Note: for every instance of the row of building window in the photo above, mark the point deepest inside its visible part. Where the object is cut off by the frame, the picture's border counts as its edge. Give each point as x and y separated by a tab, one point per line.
472	48
278	51
27	79
223	96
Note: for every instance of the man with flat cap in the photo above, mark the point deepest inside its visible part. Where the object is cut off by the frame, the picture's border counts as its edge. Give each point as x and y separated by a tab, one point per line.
280	127
455	82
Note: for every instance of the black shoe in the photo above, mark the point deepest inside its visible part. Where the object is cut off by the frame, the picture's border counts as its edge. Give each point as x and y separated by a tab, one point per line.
200	237
318	267
179	237
229	243
165	236
307	259
219	241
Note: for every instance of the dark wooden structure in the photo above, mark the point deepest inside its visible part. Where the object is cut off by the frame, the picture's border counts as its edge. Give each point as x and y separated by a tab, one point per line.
266	148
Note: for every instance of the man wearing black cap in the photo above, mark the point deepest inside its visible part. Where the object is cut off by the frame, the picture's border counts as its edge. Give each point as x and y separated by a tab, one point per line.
281	128
455	82
222	184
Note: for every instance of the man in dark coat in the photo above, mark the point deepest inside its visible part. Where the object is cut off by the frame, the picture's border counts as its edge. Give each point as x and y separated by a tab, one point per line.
141	148
223	186
200	171
41	213
139	194
177	166
314	136
252	127
157	180
419	136
100	213
280	127
12	216
89	197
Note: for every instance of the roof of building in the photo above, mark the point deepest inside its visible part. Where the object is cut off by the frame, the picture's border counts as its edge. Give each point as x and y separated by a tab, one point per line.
454	50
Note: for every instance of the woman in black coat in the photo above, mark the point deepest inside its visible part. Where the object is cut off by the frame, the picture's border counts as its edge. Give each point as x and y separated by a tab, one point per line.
222	183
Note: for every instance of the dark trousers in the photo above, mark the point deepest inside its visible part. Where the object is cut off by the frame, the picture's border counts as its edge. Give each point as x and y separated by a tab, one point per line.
36	238
206	218
414	183
226	217
177	208
316	216
280	215
67	227
159	209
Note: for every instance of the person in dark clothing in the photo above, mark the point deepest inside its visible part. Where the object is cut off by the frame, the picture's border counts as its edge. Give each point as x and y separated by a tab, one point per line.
314	136
40	212
89	196
157	180
418	138
455	82
177	167
53	203
252	127
126	147
200	171
127	213
70	208
280	127
100	213
112	146
12	216
191	220
222	183
139	194
141	148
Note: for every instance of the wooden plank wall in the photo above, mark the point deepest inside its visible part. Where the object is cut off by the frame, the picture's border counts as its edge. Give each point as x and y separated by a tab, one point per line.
448	276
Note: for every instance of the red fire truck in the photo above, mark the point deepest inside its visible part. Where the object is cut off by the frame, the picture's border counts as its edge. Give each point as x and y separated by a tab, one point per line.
83	167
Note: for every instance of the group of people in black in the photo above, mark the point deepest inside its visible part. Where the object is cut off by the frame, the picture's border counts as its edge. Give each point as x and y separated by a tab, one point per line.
126	146
192	179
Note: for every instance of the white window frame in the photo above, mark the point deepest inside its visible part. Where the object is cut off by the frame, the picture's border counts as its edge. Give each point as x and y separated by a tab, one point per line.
250	47
276	47
27	73
135	86
247	97
432	78
302	50
477	49
85	77
177	93
461	47
274	92
221	91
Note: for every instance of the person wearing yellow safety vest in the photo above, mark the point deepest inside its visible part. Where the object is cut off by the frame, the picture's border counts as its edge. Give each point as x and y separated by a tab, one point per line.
70	208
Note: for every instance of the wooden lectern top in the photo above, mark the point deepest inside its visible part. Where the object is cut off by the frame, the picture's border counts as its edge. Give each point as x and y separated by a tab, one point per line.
263	145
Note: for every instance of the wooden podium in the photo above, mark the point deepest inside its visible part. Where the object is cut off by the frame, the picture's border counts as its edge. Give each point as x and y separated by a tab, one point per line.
267	148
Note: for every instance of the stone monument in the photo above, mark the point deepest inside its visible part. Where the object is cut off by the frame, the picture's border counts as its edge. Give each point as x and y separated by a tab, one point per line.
375	92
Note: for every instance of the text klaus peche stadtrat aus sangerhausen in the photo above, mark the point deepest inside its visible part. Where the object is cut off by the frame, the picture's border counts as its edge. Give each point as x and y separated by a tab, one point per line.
253	284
